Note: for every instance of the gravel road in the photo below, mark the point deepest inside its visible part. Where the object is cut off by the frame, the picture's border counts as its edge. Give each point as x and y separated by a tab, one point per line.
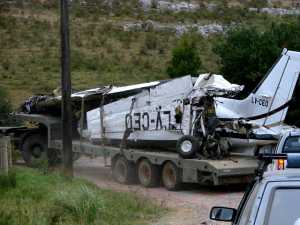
190	206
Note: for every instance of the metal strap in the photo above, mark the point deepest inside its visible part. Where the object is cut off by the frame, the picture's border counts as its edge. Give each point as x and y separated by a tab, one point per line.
127	131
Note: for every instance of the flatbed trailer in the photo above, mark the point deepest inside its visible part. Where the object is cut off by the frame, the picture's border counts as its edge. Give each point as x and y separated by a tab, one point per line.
236	168
149	167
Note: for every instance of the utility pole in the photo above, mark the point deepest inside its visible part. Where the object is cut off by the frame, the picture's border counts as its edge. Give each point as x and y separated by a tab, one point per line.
66	91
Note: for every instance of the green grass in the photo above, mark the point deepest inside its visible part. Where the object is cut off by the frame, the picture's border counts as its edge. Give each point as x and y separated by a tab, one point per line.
38	199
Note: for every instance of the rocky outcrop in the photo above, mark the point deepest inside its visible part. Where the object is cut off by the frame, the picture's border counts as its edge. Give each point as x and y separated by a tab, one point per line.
177	7
204	30
178	29
276	11
164	5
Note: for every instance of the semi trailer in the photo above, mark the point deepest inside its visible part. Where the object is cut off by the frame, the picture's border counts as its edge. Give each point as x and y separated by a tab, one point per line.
183	130
128	165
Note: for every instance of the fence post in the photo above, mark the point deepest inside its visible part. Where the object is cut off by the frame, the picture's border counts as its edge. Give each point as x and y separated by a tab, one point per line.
5	154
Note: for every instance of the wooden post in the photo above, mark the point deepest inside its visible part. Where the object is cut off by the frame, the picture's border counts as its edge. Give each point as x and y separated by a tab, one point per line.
10	150
5	154
103	129
66	91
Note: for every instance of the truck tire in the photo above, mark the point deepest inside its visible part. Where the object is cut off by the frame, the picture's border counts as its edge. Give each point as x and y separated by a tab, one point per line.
123	171
148	173
171	176
34	147
187	146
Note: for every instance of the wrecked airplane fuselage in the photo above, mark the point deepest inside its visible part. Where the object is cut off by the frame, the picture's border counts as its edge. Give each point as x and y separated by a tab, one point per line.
197	117
162	114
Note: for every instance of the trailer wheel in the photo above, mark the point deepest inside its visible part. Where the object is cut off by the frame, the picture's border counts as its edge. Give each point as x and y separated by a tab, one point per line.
34	147
54	157
171	176
187	146
148	173
123	171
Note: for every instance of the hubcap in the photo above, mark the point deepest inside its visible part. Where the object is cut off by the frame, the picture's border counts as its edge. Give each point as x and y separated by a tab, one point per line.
186	146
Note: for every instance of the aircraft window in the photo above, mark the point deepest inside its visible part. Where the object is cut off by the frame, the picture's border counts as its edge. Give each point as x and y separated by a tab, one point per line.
292	145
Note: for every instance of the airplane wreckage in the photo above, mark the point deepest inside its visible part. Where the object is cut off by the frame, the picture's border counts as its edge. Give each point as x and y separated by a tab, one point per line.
196	116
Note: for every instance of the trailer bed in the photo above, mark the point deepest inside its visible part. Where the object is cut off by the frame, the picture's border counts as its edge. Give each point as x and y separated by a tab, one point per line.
236	168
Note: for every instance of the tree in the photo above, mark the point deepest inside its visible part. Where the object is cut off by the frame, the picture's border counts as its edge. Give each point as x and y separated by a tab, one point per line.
185	58
5	107
247	54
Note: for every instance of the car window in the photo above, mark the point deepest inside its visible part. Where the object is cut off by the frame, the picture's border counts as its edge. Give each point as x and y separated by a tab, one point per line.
284	208
292	145
248	205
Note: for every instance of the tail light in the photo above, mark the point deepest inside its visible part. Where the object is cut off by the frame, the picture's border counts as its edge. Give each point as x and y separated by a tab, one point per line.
280	164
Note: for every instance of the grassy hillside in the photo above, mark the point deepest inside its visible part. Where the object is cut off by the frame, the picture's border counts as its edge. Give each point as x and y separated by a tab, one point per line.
34	198
102	52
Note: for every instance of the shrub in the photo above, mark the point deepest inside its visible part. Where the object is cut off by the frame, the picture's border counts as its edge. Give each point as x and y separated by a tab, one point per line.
246	55
83	204
185	59
8	180
257	3
151	41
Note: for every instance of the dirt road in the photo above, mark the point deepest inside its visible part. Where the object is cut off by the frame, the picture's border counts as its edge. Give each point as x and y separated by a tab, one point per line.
188	207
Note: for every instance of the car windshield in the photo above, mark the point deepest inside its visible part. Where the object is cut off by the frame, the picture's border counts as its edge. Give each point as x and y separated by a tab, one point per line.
284	208
292	145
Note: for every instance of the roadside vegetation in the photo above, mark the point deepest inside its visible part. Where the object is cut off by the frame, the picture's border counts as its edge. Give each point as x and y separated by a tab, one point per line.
104	53
30	197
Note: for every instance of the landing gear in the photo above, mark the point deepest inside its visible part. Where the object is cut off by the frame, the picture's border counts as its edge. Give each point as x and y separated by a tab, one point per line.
187	146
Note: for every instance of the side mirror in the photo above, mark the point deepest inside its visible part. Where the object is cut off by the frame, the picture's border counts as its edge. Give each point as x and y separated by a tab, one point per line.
222	214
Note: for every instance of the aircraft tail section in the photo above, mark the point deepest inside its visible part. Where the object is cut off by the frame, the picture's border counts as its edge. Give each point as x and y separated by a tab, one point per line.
267	105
